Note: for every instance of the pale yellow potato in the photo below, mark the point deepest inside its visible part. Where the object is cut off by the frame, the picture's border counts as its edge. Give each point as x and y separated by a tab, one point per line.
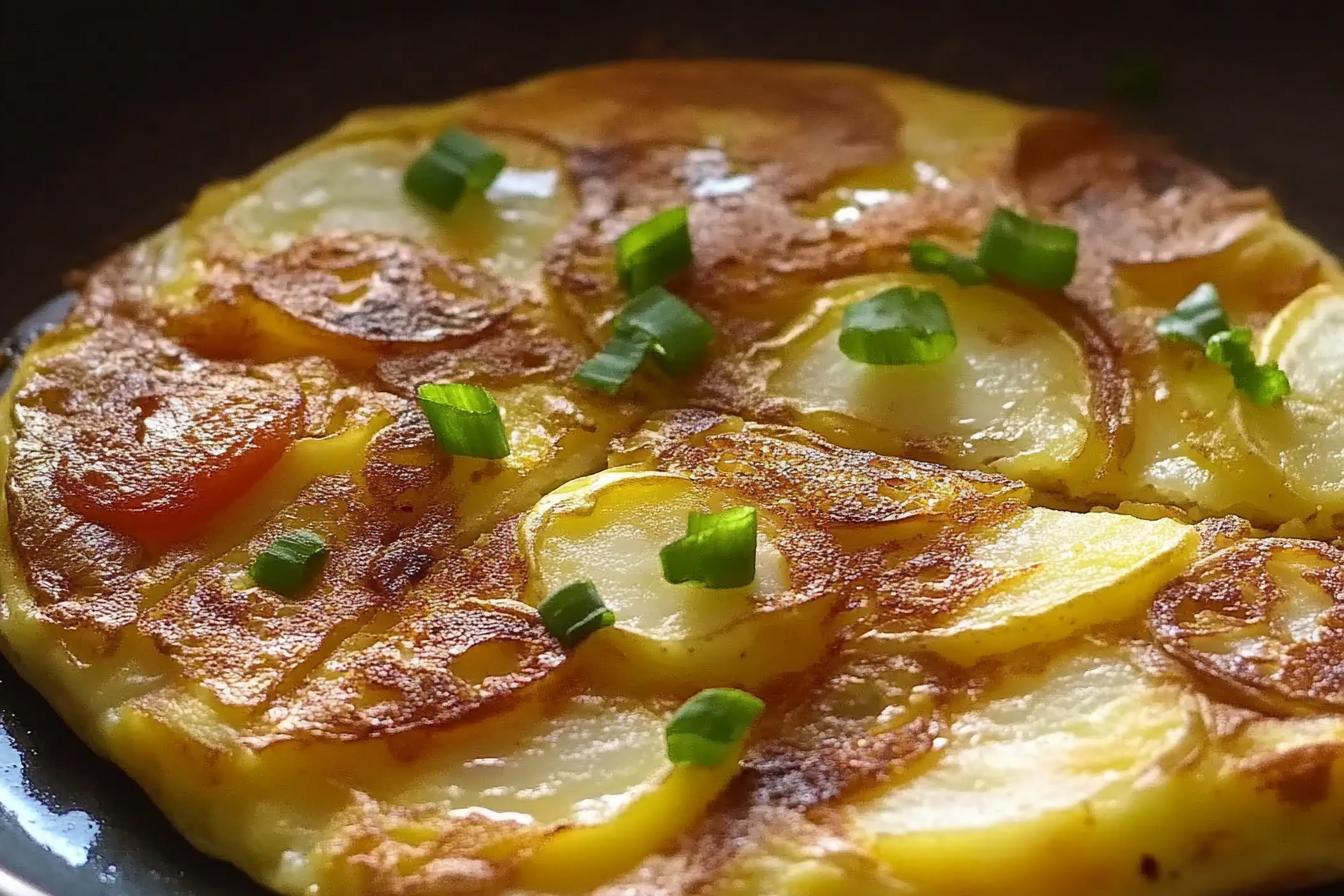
1062	573
1100	772
609	528
1197	443
965	692
1304	435
1014	396
353	183
584	779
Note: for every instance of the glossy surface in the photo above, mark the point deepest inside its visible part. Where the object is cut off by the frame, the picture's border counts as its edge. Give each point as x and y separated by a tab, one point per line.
69	821
135	852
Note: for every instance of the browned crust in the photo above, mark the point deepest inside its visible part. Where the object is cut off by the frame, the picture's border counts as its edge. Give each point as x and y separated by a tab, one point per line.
1302	776
896	530
1233	592
371	289
797	127
418	670
412	631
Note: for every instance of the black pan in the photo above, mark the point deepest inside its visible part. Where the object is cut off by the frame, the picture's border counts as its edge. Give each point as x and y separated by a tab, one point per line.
116	113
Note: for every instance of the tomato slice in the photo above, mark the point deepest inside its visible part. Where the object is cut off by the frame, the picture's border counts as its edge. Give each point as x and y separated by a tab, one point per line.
164	455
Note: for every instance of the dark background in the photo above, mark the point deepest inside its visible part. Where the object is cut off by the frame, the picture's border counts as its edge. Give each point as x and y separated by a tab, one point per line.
114	114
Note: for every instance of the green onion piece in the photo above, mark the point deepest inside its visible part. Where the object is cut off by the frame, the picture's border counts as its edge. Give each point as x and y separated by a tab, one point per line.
931	258
680	335
1027	251
436	179
479	161
707	727
718	551
575	612
901	325
465	420
1197	317
1261	383
290	562
611	368
457	160
650	252
1229	347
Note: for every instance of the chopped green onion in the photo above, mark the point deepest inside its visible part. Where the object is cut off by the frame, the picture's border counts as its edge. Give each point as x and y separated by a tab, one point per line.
718	551
1231	346
465	420
650	252
289	562
931	258
901	325
1197	317
458	159
611	368
1027	251
680	335
710	725
479	161
436	179
1200	318
1261	383
575	612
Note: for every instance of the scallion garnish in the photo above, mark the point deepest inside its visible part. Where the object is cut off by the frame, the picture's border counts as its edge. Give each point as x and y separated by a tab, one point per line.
465	420
1197	317
1027	251
457	159
931	258
1261	383
575	612
718	550
901	325
710	725
679	335
1200	318
480	161
289	562
611	368
650	252
435	179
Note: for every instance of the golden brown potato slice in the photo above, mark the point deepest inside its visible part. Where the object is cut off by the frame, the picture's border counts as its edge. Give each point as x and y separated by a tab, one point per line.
1054	673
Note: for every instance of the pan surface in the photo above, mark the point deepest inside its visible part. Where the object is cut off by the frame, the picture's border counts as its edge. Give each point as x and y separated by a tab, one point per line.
121	114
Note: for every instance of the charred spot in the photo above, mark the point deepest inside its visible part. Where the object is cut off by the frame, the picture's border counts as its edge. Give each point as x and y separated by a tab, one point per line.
398	568
1232	593
1150	868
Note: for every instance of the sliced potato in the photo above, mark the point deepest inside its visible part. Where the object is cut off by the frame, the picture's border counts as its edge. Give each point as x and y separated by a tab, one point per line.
409	508
1023	769
1262	619
1041	576
1197	442
1208	466
352	183
609	529
583	782
1304	433
1014	397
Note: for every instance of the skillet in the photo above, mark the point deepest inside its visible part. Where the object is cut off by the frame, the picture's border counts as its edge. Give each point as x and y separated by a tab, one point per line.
122	113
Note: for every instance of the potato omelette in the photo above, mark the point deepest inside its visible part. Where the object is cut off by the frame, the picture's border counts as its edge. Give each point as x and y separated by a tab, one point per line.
714	477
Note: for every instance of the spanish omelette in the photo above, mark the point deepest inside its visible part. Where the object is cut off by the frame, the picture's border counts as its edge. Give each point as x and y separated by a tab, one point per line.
1064	600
